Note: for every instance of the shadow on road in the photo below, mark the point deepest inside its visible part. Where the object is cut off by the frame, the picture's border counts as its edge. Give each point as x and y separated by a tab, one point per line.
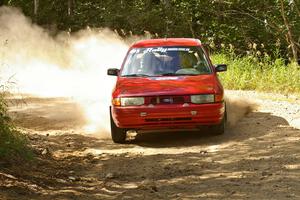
257	159
257	121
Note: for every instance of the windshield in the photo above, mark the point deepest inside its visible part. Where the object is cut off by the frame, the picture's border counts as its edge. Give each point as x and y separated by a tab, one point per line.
166	61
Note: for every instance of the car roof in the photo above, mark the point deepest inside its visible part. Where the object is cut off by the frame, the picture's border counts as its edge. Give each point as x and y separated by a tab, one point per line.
167	42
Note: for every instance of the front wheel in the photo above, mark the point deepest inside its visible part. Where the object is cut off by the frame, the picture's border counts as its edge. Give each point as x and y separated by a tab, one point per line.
118	135
219	129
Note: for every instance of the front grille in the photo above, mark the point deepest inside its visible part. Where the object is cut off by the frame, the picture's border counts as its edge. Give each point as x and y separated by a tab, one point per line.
162	100
168	119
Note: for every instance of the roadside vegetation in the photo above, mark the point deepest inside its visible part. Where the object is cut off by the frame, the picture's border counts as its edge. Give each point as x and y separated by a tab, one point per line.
13	143
258	71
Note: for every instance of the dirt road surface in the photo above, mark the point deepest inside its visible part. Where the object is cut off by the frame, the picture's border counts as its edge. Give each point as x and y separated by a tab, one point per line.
257	158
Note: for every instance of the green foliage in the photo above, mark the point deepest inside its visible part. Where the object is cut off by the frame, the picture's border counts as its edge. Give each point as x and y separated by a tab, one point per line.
13	144
215	22
252	72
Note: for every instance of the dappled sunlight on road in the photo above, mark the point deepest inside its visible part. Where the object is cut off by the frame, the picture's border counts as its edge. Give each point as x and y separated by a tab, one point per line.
258	154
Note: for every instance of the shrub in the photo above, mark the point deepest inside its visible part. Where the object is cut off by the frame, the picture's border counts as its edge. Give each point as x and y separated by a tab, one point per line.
13	144
253	72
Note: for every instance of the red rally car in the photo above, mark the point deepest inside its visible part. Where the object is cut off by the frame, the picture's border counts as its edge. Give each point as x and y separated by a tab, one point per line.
167	83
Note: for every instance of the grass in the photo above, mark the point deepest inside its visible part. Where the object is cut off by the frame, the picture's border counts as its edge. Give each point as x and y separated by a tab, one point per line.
253	72
13	144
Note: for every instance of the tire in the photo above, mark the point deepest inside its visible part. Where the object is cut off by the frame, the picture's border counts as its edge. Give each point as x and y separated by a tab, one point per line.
118	135
219	129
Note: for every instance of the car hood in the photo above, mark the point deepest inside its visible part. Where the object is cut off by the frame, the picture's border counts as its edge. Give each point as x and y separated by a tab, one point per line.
167	85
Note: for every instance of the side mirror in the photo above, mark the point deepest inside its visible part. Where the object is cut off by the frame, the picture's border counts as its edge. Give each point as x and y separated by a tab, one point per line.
221	67
113	72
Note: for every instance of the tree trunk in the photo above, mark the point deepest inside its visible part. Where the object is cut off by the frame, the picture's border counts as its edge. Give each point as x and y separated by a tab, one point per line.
289	32
190	22
167	21
36	7
70	7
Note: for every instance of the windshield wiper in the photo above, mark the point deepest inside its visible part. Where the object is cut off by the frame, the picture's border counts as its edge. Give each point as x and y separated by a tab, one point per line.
136	75
174	74
168	74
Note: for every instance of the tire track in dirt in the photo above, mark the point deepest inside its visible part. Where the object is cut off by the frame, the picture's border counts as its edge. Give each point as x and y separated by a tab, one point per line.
257	157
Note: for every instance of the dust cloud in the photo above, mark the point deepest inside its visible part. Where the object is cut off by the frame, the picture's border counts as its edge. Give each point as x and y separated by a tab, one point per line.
73	66
237	107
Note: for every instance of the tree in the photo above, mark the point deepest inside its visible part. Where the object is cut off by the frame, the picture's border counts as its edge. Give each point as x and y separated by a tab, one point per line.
231	22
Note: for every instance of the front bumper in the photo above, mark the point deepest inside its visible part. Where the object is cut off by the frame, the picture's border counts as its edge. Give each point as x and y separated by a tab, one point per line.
168	116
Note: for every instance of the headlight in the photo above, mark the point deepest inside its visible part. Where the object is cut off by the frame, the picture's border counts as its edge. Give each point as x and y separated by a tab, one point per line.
132	101
129	101
203	98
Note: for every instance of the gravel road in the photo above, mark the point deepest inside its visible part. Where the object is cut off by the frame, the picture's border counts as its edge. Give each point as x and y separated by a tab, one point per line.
257	157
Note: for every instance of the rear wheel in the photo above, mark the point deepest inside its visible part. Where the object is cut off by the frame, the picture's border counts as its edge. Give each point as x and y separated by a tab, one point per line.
118	135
